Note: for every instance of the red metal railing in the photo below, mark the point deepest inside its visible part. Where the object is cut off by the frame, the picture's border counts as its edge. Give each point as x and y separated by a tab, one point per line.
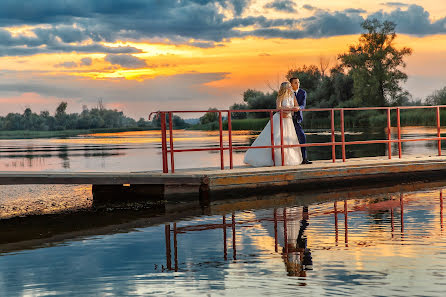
166	150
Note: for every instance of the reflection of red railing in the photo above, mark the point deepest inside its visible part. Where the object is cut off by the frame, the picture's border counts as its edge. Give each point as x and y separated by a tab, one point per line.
282	146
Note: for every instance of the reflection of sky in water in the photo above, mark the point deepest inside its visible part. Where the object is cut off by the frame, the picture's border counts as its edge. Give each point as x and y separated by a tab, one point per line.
398	261
141	150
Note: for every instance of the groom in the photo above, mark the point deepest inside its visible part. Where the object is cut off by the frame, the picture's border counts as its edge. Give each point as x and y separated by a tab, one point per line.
301	97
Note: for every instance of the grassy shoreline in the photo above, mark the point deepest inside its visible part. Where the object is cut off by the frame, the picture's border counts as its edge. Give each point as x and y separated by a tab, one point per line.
27	134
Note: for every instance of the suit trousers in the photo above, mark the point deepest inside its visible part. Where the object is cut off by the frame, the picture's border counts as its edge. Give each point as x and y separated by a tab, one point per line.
301	136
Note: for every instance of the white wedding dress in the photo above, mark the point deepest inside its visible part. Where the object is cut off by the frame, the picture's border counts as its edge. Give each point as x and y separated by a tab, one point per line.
263	157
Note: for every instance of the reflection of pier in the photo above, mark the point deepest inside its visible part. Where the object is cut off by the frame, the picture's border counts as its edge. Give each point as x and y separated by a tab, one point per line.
294	251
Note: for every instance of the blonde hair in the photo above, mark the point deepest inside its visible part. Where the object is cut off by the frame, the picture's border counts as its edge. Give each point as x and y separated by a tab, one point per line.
284	90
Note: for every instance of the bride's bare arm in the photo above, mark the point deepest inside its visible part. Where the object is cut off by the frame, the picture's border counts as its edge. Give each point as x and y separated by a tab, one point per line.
296	105
278	103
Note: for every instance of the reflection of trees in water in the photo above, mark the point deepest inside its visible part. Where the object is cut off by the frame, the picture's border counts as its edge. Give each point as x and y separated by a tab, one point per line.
63	154
35	156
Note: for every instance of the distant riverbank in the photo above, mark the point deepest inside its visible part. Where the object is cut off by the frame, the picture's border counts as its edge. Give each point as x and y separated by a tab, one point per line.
28	134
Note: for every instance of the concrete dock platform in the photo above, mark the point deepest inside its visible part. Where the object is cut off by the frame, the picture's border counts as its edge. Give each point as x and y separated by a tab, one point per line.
196	182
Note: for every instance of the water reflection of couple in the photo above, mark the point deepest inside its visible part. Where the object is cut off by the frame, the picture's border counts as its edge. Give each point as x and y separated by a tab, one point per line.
290	96
295	253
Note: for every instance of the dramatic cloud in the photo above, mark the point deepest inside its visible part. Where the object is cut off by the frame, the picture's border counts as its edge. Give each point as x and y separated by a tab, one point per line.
415	20
84	25
393	4
126	61
86	62
354	10
67	65
282	5
309	7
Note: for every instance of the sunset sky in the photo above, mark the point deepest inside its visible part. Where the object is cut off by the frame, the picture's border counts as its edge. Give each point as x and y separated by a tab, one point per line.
144	55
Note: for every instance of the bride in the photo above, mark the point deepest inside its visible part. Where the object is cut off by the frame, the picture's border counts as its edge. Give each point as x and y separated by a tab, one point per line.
293	156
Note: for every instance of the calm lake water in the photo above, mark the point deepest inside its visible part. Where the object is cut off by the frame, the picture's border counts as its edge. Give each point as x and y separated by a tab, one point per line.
388	244
377	242
140	151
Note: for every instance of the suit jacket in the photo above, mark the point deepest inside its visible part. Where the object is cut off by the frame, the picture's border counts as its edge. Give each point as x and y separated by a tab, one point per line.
302	102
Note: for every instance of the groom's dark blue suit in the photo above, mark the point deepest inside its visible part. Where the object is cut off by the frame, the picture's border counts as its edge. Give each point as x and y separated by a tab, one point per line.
301	97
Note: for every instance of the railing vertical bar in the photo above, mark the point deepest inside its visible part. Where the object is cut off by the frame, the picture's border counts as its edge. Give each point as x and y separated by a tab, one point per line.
438	130
168	249
175	246
398	122
234	241
225	245
285	231
172	162
346	222
164	142
333	147
282	152
272	137
220	122
231	163
342	135
389	134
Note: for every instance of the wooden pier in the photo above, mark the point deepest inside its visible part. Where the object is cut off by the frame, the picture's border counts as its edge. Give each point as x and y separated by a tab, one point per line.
212	181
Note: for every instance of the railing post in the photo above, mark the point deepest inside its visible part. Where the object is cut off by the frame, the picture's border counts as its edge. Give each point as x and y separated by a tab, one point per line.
342	135
220	122
398	123
389	135
231	165
272	137
438	130
282	152
164	141
172	163
333	146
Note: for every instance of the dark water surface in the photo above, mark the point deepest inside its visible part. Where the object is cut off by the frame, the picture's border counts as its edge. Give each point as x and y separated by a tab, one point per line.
350	243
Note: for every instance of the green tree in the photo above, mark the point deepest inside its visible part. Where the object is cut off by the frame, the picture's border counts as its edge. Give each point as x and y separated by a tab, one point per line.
374	64
309	77
239	115
209	117
437	97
